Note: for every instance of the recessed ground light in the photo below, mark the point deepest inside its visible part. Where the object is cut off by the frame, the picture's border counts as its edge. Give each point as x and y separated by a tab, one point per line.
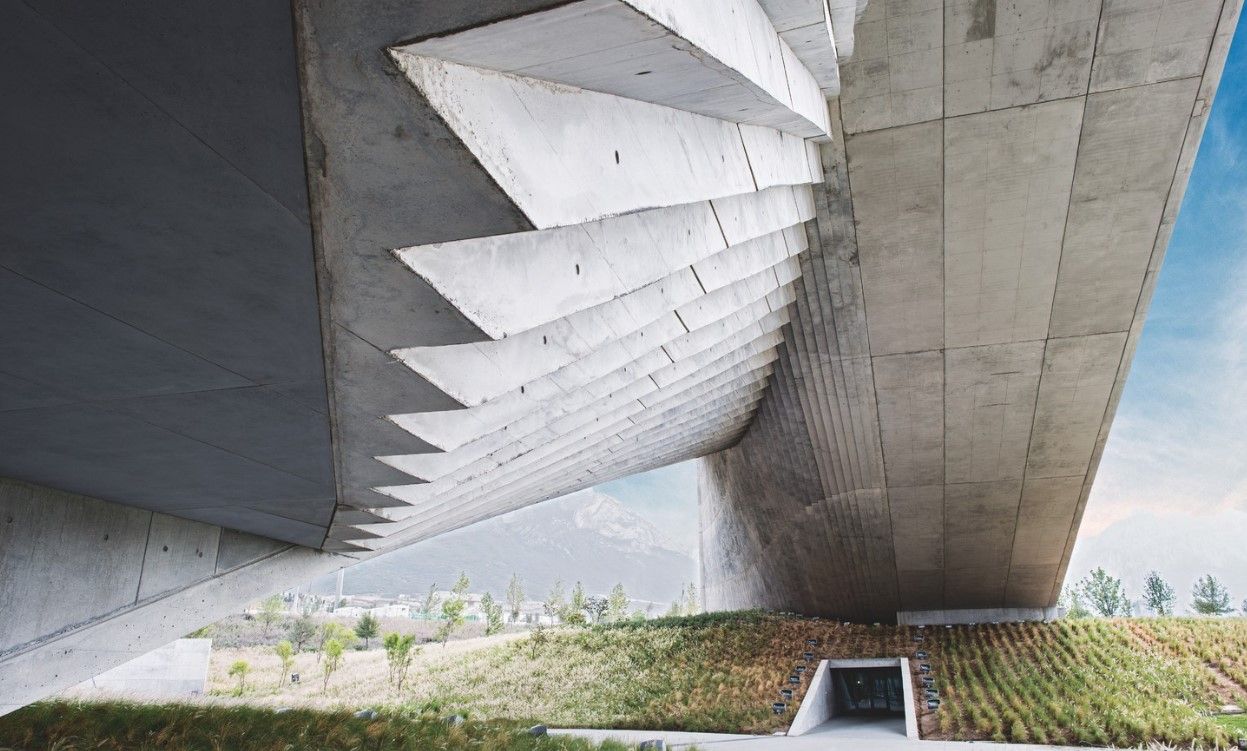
616	157
645	73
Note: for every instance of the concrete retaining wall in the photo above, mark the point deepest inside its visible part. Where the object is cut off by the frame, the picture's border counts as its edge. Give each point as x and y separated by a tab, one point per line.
88	585
177	669
976	615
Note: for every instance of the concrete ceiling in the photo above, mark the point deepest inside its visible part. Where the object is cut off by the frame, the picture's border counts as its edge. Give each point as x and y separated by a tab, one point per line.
159	332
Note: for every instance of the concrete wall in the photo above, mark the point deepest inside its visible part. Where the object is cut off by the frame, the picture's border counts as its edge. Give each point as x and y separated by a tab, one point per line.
88	585
176	669
819	704
979	615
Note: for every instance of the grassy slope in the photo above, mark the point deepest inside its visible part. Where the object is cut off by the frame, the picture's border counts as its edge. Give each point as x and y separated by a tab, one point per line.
1091	682
137	727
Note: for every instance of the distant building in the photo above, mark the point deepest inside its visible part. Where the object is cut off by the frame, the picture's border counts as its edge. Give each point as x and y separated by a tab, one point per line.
392	610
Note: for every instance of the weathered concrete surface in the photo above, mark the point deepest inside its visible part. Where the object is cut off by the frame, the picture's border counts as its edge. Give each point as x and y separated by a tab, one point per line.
88	585
987	243
176	669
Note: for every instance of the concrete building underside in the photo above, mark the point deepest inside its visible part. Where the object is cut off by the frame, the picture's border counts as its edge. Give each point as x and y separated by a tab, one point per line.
285	286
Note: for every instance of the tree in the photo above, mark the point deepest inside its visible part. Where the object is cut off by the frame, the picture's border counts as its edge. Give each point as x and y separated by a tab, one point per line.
677	606
576	605
400	651
285	652
367	628
335	631
554	605
690	600
452	609
1158	594
239	669
493	614
596	606
1071	600
515	597
430	601
333	658
537	639
1210	597
1105	594
1244	608
302	630
617	605
270	612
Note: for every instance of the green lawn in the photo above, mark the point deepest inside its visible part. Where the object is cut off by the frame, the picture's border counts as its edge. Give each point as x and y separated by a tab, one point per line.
1235	723
66	726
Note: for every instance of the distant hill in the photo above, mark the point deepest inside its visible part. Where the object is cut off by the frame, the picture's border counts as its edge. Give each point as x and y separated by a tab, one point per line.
1181	553
588	537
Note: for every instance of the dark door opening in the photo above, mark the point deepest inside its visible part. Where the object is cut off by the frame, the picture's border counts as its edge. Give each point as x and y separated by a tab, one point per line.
874	692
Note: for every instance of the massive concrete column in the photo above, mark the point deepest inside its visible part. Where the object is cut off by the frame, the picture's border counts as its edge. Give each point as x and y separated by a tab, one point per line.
987	240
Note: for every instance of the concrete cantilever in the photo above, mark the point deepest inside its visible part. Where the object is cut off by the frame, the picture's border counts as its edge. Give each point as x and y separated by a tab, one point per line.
419	264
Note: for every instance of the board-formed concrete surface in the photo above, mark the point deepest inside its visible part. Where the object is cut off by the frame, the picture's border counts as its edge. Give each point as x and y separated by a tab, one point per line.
987	242
881	265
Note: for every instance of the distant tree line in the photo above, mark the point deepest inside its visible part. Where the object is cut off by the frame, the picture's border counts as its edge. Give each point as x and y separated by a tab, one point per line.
1101	594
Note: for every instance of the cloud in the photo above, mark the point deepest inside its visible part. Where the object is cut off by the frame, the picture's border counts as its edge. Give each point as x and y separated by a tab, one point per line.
1179	443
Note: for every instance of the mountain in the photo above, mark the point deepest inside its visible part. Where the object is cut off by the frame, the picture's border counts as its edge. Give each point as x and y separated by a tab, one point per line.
588	537
1180	547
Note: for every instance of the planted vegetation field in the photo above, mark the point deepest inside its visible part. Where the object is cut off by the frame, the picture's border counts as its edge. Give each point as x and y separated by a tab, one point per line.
116	726
1125	682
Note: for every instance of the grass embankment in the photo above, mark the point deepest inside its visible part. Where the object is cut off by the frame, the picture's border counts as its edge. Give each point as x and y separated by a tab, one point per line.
117	726
1122	683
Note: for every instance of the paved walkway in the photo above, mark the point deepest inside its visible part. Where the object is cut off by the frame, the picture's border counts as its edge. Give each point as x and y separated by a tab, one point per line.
868	735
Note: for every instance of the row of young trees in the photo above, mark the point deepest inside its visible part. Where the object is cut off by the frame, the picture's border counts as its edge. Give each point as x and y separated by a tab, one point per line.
329	640
400	652
1100	593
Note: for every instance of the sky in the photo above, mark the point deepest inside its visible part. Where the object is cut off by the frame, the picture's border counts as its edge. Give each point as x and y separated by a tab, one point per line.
1171	492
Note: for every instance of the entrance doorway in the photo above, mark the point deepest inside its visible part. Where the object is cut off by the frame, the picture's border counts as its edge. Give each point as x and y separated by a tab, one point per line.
868	692
859	698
